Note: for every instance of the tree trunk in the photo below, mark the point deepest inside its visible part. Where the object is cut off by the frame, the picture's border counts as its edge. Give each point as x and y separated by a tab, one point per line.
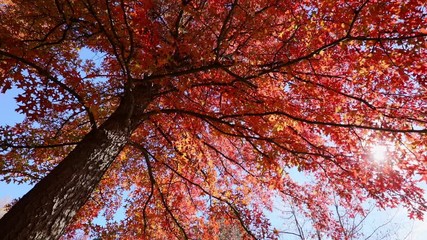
46	210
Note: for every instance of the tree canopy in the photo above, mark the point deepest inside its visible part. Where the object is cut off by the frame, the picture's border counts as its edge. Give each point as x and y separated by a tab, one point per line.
194	113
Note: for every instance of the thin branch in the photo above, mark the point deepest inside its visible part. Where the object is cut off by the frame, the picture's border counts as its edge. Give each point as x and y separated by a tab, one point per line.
9	145
234	209
314	122
54	79
154	183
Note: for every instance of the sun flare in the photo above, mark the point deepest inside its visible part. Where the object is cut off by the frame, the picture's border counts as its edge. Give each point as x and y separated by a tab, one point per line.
379	153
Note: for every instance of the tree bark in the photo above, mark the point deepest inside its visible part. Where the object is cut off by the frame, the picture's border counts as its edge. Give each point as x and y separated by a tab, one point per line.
45	211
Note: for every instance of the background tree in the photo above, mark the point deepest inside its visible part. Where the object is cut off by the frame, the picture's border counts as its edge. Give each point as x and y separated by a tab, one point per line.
200	109
350	225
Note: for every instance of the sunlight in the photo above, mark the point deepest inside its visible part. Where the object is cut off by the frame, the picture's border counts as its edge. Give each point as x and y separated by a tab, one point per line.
379	153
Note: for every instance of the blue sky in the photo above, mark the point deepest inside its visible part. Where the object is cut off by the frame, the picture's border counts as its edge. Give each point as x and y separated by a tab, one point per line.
8	116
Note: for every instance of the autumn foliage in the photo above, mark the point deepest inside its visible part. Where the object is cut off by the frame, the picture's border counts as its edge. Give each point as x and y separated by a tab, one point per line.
226	101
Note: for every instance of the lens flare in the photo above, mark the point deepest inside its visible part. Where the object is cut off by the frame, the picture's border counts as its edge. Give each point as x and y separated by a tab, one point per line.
379	153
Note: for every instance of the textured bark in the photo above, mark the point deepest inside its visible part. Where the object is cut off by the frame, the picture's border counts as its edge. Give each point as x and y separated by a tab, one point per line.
45	211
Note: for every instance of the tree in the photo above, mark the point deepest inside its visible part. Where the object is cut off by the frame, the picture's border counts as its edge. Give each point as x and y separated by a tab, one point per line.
349	225
196	110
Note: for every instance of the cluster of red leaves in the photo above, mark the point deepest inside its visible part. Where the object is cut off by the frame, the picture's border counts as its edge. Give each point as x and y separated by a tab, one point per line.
246	92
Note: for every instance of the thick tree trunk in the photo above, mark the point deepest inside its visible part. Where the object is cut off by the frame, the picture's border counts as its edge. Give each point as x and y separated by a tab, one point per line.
45	211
